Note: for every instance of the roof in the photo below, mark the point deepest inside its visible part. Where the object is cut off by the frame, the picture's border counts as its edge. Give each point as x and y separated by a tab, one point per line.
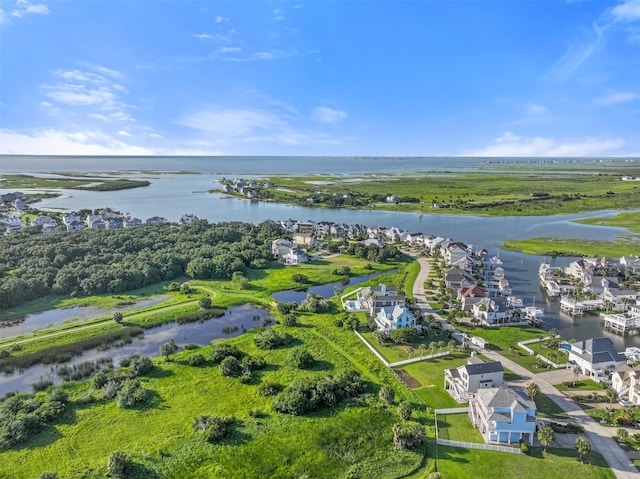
505	397
597	350
483	368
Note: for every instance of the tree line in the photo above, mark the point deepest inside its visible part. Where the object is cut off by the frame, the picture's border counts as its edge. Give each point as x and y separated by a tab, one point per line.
33	265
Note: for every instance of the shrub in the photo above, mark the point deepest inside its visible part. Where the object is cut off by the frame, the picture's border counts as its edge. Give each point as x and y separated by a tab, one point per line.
197	360
271	339
48	475
230	366
300	278
140	365
117	464
290	320
213	428
300	358
110	389
41	385
269	389
254	363
222	350
130	393
405	410
408	435
386	394
4	353
524	448
190	346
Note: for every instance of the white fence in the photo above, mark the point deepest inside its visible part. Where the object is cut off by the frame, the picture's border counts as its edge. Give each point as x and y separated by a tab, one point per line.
469	445
523	344
373	350
548	361
475	445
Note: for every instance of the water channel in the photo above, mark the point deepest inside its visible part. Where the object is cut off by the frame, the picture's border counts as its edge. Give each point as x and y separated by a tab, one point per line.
235	321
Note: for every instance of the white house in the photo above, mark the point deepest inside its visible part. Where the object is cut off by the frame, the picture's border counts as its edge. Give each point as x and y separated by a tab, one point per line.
626	382
381	296
42	219
280	247
390	318
595	357
465	380
295	255
503	415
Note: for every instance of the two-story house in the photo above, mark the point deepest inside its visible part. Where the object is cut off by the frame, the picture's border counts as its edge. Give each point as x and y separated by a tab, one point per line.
503	415
464	381
596	357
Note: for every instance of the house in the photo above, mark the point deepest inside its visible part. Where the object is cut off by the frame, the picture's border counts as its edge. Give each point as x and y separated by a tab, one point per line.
595	357
49	227
374	241
130	222
455	252
493	310
280	247
619	299
503	415
466	380
9	198
188	219
70	218
295	255
156	220
630	264
42	220
20	204
304	239
626	382
96	222
74	226
11	224
392	199
394	317
470	296
115	223
456	278
378	297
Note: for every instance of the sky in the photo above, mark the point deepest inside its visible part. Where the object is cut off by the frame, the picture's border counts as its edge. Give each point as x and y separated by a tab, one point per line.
316	78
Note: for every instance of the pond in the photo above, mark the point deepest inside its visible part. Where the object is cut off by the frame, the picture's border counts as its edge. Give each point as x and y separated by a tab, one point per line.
235	321
58	317
325	290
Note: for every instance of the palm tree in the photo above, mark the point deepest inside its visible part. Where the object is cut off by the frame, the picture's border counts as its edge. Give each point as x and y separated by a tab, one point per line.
422	348
532	390
546	436
441	345
583	446
611	396
452	345
576	374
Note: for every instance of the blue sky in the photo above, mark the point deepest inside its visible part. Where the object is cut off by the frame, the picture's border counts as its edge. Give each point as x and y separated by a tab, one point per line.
419	78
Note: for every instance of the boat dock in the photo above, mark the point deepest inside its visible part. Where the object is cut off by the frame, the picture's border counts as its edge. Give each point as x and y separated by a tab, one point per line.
622	322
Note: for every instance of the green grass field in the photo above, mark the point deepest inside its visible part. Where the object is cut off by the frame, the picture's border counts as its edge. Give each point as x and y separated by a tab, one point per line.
549	409
398	352
458	427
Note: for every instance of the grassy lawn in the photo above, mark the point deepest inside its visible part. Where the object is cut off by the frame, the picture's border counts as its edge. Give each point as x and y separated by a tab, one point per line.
554	354
545	246
460	463
398	352
580	385
458	427
411	274
606	415
549	409
430	374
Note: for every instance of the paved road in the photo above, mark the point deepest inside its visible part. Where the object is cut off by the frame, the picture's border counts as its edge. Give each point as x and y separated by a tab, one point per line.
599	436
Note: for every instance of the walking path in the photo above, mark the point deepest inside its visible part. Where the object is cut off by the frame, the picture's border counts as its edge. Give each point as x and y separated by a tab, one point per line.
600	437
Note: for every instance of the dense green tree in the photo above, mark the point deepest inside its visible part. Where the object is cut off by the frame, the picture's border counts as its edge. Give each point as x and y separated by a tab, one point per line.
404	335
222	350
405	410
230	366
118	317
204	303
408	435
140	365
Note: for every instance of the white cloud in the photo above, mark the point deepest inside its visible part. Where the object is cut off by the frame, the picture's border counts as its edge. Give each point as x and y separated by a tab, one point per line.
511	145
23	7
88	142
627	11
324	114
228	49
124	133
617	97
202	36
536	109
576	54
220	19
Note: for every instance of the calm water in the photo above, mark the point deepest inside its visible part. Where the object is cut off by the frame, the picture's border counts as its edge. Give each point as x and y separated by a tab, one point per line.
171	195
244	317
57	317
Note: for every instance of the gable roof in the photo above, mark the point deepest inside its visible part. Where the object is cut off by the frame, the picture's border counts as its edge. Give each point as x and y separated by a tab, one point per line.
483	368
597	350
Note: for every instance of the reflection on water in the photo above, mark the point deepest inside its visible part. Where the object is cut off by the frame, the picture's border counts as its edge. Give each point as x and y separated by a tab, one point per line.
235	321
58	317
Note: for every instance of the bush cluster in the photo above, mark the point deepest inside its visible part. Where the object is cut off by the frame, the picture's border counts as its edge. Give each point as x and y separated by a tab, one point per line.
304	395
272	339
23	415
213	428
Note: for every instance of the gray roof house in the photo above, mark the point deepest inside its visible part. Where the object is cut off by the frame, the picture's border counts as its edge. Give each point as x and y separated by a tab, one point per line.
596	357
466	380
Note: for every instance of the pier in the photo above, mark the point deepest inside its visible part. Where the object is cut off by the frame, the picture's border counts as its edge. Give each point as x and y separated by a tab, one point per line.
622	322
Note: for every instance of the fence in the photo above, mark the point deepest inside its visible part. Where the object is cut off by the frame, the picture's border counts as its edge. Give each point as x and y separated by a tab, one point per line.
469	445
548	361
373	350
523	344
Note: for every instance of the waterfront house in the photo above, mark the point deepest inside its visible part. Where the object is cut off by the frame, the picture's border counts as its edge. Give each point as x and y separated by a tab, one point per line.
156	220
188	219
130	222
392	199
11	224
74	226
304	239
96	222
596	357
42	220
630	264
455	252
456	278
493	310
503	415
70	218
466	380
394	317
115	224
